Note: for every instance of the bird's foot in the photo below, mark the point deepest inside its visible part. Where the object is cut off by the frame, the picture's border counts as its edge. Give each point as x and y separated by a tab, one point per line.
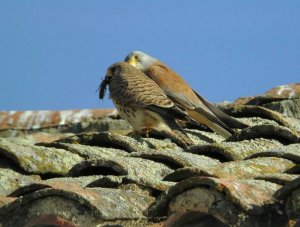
144	132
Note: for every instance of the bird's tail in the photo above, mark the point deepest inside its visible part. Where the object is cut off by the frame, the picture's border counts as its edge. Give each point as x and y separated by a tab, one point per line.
228	120
211	121
177	134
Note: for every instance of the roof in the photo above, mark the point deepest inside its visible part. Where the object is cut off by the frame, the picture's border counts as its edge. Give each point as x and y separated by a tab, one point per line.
81	168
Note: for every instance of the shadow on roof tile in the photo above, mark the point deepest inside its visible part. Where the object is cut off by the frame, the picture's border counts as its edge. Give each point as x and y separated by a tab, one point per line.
278	178
280	133
88	152
119	141
188	172
177	159
54	183
97	167
193	219
154	187
290	152
244	169
258	111
131	166
290	194
231	151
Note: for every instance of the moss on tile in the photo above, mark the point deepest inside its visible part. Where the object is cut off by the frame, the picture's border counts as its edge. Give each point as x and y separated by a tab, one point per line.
39	160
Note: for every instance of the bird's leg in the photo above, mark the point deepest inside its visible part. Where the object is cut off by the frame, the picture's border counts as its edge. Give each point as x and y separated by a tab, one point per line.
134	133
146	131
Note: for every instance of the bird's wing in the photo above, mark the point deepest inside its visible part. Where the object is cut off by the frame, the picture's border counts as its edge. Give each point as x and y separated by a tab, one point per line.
175	87
183	95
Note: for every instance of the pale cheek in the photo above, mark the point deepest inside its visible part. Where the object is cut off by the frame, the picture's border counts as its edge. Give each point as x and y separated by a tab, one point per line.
139	66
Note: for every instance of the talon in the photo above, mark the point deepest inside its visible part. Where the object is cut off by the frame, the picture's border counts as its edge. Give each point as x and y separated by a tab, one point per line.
146	132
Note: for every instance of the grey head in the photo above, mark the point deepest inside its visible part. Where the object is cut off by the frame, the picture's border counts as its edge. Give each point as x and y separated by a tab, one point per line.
140	60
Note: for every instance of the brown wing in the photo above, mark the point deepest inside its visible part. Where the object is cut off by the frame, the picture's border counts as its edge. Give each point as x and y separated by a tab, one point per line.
184	96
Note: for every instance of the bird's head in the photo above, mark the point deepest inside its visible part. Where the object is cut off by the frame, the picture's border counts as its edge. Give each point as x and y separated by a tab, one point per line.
111	71
140	60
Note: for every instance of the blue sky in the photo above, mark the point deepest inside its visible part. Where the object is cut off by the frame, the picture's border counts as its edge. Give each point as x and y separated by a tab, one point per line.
53	54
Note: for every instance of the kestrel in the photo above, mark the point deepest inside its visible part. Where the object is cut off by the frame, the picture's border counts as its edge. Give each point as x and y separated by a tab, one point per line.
183	95
141	102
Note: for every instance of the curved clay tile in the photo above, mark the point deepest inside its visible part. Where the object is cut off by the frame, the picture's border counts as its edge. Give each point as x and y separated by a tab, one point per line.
231	151
280	133
177	159
233	202
37	159
258	111
68	200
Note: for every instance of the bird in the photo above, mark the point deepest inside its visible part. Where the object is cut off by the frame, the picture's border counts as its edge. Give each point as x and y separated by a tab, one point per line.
143	104
175	87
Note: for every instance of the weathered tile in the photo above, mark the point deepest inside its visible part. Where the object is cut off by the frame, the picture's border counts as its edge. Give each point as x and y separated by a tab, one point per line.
106	176
284	91
258	111
38	159
154	186
89	152
230	151
121	166
231	201
278	132
247	169
291	152
83	207
11	180
54	183
187	172
83	181
244	169
123	142
44	118
204	137
288	107
5	200
177	159
278	178
290	194
286	191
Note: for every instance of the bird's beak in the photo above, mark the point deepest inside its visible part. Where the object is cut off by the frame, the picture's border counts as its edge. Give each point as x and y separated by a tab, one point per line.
103	85
131	60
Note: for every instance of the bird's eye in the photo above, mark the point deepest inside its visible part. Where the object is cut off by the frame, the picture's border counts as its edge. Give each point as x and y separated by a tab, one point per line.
136	57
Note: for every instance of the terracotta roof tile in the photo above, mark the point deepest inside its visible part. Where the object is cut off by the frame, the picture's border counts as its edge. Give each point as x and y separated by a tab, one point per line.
284	99
42	119
230	201
285	91
85	206
84	168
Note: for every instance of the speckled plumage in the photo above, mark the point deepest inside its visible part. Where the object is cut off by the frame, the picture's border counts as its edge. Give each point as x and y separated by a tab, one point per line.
183	95
143	104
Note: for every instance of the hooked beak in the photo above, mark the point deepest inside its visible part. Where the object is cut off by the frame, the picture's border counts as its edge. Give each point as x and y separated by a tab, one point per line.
130	60
103	86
